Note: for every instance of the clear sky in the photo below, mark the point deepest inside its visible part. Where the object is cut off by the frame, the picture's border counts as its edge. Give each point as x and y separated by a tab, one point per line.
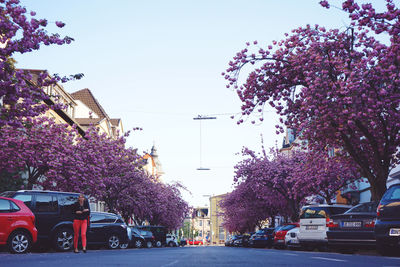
158	64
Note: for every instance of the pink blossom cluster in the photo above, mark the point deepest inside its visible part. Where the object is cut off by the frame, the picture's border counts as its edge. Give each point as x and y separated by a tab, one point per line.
56	157
341	87
21	93
279	184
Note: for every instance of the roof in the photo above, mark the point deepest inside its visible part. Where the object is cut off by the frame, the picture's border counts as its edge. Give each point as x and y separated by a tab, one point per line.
115	122
86	96
88	121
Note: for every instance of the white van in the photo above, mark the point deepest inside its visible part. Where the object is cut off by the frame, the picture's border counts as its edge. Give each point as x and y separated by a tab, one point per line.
314	221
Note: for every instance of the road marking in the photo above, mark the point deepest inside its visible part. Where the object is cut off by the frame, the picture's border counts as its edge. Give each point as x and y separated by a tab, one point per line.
290	254
328	259
169	264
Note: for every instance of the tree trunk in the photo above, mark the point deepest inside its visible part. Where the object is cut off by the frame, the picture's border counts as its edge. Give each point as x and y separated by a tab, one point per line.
378	188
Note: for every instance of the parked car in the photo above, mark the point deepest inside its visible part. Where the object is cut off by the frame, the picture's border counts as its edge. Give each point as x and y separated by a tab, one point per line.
149	239
292	239
238	241
194	242
107	229
313	224
171	240
182	242
262	238
354	228
246	239
17	225
279	236
159	232
230	241
387	226
136	240
53	215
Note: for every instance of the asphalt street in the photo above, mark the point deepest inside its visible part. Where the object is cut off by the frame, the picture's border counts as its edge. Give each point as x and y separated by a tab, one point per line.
194	256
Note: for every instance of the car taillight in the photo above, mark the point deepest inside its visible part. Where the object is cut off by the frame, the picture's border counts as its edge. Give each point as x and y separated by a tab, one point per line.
369	224
331	224
33	219
377	210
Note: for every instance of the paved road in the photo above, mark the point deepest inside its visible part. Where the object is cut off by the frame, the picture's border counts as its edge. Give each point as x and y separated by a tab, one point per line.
194	256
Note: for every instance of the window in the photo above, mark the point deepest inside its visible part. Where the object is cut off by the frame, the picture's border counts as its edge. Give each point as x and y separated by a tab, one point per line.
221	235
321	212
97	218
14	206
5	205
288	227
200	223
313	213
364	207
109	219
392	194
67	203
46	203
26	198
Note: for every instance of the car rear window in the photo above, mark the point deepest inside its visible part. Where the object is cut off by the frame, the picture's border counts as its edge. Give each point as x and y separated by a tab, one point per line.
392	193
364	207
321	212
288	227
8	194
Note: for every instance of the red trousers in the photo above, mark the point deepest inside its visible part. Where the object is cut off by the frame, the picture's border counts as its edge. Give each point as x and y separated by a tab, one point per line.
82	225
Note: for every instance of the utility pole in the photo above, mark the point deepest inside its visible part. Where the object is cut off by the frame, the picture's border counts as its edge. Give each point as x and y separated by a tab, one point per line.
200	118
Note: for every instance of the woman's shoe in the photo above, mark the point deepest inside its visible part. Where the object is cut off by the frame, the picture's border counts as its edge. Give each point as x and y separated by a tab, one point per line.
84	250
76	251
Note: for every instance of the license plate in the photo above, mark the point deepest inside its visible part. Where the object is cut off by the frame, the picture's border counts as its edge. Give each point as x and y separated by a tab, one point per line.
352	224
311	227
394	232
280	241
294	241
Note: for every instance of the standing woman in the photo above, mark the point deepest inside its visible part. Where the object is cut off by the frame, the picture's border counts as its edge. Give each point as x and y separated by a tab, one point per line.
81	217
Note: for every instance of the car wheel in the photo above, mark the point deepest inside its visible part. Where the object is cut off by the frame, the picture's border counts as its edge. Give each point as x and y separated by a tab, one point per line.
138	243
123	246
149	244
19	242
63	239
171	244
158	244
113	241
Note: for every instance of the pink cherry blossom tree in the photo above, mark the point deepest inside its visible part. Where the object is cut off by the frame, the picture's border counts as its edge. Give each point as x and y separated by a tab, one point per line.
21	93
341	87
246	208
42	145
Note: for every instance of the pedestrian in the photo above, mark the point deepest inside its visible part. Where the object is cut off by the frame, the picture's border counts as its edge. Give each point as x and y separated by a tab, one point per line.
81	221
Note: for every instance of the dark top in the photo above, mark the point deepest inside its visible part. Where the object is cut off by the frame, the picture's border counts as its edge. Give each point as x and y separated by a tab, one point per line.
84	215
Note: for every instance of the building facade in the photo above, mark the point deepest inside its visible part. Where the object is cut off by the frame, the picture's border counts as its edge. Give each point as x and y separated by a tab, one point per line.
218	233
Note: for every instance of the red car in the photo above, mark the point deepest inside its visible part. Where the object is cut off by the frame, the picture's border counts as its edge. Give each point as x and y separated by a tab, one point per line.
195	242
17	225
279	236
